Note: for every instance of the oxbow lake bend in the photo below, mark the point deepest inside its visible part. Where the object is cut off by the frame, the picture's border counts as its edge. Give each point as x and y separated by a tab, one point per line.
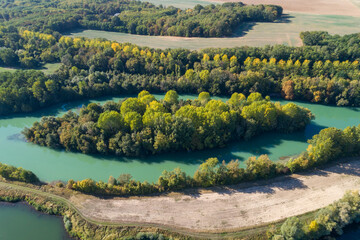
50	165
54	165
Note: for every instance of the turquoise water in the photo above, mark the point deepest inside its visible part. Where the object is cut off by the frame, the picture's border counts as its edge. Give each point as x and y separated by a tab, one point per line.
20	222
50	165
350	233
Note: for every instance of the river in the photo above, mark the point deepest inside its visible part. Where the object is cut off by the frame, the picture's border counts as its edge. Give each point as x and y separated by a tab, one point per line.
50	165
20	222
351	232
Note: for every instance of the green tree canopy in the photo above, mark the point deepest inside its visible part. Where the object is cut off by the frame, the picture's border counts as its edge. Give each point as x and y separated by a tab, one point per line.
110	121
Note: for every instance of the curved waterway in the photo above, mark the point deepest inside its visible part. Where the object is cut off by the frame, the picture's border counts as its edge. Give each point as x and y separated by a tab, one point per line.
50	165
20	222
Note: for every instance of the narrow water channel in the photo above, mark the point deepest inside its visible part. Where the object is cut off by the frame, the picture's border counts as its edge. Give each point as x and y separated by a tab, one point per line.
51	164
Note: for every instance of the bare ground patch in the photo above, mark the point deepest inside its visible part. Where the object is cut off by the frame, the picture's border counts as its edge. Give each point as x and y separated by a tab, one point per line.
226	209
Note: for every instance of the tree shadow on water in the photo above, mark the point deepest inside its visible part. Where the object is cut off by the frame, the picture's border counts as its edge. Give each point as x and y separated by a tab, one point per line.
54	110
313	129
266	143
238	150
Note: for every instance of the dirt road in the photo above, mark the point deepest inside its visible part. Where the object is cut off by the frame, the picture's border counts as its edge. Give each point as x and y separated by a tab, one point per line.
230	208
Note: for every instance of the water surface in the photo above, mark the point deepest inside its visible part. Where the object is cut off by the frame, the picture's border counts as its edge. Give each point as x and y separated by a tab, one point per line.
351	232
50	165
20	222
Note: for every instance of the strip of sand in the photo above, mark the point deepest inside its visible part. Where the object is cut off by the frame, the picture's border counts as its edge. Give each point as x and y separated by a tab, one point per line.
227	209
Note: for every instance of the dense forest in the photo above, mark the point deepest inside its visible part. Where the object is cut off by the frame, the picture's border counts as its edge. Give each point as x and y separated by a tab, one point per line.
92	68
325	70
327	146
134	17
143	125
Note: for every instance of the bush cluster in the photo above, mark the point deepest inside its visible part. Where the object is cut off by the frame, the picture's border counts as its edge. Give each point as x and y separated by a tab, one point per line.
329	220
93	68
17	174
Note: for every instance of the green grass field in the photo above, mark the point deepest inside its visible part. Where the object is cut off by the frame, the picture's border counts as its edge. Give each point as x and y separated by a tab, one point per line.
47	68
285	32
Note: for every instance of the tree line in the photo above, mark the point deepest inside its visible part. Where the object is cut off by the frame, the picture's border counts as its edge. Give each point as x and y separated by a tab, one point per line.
18	43
202	21
143	125
135	17
92	68
327	146
210	173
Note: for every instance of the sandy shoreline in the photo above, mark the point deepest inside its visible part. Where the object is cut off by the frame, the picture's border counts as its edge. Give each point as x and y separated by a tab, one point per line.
233	208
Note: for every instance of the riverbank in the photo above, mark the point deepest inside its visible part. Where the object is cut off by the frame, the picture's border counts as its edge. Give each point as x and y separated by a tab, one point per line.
235	210
51	165
231	208
55	201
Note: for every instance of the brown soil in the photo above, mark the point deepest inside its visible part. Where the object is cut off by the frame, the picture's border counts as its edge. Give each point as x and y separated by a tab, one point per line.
323	7
226	209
